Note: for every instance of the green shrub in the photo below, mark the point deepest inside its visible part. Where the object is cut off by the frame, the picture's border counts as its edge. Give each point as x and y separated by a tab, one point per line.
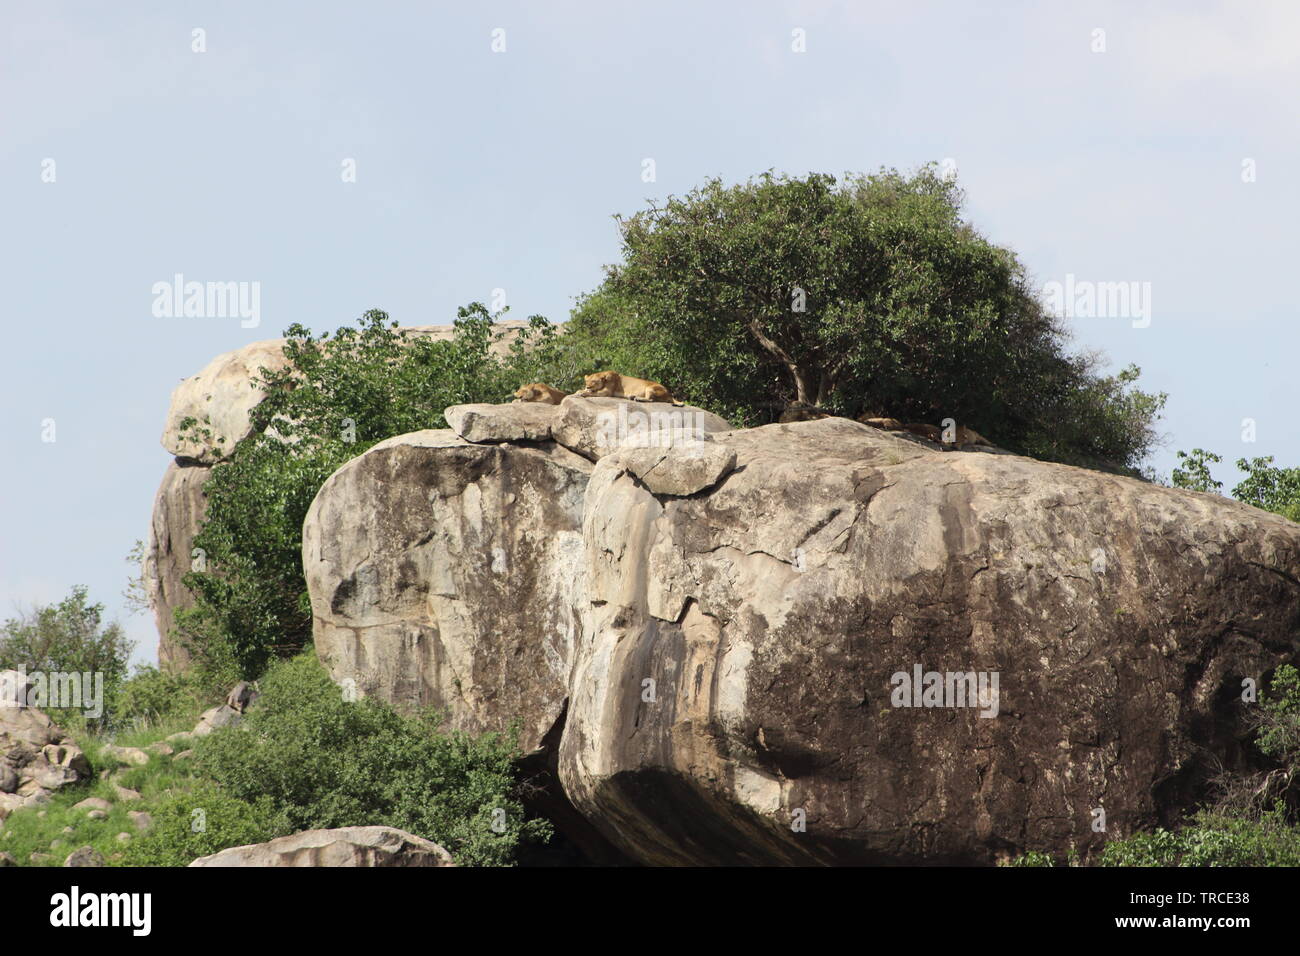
1272	489
1278	726
151	696
1212	839
197	823
1032	858
1265	486
1193	472
69	638
319	761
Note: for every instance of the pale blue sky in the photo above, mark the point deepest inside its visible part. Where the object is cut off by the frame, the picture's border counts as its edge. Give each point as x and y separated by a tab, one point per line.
479	170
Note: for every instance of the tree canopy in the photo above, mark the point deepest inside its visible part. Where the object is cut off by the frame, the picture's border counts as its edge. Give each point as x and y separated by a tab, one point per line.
870	294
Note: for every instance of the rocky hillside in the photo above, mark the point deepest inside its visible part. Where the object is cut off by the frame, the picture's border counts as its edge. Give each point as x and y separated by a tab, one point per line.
724	638
221	396
807	643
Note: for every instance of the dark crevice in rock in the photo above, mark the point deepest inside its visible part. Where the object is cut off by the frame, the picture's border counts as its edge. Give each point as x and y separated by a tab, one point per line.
575	842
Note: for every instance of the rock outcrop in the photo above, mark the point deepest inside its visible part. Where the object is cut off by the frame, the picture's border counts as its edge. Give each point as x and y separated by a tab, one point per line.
596	427
220	398
721	638
215	718
223	395
169	555
459	586
85	856
36	756
346	846
468	572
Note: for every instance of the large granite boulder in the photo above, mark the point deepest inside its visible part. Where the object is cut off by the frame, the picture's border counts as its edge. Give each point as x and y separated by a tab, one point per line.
445	572
346	846
735	658
517	421
169	554
220	399
781	616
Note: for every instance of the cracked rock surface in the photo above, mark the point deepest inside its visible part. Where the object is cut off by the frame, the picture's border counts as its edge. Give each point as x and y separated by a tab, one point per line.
449	573
719	665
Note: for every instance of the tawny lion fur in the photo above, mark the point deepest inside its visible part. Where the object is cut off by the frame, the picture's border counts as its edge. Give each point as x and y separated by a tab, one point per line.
614	385
539	392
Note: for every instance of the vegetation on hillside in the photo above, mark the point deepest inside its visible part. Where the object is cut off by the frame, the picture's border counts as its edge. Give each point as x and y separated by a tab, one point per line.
70	637
1265	486
305	757
862	294
316	760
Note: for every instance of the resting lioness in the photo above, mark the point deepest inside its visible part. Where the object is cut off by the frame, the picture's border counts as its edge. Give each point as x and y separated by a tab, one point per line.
539	392
969	436
614	385
802	412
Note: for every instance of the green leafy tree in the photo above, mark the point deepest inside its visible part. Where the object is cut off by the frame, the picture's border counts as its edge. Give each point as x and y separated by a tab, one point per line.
1278	724
1194	472
68	637
1272	489
1265	486
871	294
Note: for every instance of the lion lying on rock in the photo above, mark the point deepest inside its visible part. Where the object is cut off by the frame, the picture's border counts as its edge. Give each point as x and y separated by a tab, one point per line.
614	385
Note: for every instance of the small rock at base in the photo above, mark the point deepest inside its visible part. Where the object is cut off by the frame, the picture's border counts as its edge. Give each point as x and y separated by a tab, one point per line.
86	856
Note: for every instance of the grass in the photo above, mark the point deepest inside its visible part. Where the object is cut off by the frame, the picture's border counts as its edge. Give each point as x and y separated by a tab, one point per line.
40	829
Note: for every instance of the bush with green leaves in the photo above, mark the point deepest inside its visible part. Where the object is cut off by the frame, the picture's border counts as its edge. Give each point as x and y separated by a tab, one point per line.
68	637
338	396
870	294
199	822
1212	839
1268	487
319	761
151	696
1265	486
1193	471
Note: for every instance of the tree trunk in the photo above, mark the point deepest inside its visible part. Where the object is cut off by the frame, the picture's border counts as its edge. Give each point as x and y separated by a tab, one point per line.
802	387
824	389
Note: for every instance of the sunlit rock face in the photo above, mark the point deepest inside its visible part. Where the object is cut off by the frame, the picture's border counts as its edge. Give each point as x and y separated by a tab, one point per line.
825	643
